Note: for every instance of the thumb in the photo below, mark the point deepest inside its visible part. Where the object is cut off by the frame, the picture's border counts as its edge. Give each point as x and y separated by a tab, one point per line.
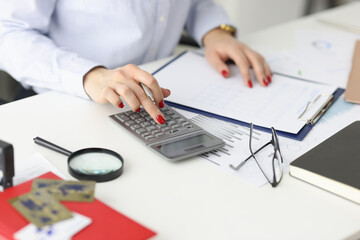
165	92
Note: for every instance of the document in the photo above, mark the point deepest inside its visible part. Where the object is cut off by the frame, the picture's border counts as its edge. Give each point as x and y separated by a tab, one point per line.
62	230
236	147
31	167
318	56
236	140
286	104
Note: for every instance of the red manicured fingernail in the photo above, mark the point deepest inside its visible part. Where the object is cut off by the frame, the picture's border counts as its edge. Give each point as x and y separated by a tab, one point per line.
138	110
121	105
225	73
160	119
161	104
265	82
269	79
250	84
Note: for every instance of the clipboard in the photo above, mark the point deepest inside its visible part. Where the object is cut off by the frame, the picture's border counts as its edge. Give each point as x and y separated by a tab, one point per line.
298	136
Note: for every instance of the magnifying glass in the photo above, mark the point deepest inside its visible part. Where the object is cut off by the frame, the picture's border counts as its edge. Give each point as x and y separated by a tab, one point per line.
97	164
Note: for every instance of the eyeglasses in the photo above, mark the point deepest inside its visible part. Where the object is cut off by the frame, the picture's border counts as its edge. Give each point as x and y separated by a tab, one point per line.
272	169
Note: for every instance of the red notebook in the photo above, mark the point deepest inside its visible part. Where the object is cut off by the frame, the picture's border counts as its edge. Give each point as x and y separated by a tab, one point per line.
106	222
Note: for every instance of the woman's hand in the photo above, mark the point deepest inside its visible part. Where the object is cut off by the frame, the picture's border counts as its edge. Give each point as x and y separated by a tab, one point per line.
108	85
221	46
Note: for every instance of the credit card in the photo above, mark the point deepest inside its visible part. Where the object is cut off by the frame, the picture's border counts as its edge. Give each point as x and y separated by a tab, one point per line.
40	208
79	191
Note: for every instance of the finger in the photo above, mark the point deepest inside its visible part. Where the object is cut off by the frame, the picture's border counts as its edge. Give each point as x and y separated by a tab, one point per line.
268	72
128	95
218	63
243	64
153	111
165	92
147	103
112	97
257	63
146	78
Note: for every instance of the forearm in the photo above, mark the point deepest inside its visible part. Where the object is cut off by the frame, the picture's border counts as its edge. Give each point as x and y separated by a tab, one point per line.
33	58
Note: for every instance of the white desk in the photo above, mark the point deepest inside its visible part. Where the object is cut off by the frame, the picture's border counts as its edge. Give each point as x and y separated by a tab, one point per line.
191	199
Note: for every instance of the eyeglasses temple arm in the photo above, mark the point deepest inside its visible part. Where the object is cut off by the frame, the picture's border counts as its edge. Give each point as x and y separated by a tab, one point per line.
243	162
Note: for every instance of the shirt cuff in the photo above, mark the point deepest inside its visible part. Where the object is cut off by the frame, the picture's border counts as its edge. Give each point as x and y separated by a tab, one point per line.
72	71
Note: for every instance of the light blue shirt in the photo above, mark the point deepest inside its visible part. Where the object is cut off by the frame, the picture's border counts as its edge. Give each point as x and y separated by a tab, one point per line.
51	44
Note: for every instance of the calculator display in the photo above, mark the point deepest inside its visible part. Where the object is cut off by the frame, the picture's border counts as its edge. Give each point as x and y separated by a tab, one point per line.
187	145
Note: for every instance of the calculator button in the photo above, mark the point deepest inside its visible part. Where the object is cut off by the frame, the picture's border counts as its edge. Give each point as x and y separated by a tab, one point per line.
176	126
156	131
136	126
182	129
169	123
122	117
168	112
144	124
140	120
174	131
140	130
166	129
151	128
145	134
149	137
181	120
144	114
135	116
175	117
160	126
159	134
128	123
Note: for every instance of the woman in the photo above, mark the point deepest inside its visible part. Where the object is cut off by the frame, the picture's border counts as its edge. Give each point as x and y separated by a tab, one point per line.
90	48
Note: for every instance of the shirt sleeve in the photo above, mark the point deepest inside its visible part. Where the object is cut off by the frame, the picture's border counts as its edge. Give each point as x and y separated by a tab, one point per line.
30	56
204	16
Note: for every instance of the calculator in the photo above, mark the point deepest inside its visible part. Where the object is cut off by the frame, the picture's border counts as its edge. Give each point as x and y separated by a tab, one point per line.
178	138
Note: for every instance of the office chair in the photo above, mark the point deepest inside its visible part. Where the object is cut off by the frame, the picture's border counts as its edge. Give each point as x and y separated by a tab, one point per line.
8	87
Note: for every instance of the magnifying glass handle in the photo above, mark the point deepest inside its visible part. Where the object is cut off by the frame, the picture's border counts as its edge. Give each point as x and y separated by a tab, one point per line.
47	144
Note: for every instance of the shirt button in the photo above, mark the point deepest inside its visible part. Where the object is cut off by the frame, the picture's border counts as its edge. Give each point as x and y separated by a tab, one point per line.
161	19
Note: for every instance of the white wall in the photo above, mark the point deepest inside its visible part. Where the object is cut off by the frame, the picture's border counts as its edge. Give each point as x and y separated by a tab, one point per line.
252	15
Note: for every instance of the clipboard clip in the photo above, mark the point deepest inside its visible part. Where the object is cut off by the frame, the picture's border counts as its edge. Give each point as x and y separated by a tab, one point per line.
316	116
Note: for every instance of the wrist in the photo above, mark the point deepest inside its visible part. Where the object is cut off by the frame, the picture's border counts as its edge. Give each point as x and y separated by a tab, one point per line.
90	78
214	34
93	71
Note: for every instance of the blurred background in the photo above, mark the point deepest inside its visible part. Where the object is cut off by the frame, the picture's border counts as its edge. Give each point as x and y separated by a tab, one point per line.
247	15
252	15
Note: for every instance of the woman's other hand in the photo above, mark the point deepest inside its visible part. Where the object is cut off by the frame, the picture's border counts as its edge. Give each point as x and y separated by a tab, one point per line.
221	46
